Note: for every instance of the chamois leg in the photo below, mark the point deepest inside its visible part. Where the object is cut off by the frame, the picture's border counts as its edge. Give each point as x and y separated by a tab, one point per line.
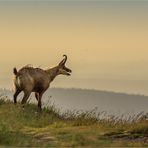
17	92
37	96
39	102
25	98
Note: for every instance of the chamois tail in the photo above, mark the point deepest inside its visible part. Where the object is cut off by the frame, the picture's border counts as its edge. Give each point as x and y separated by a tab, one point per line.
15	71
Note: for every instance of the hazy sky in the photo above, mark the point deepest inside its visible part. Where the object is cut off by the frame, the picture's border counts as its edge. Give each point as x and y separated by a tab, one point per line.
106	41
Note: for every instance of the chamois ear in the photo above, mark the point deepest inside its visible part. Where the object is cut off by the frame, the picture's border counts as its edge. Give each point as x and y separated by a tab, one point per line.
62	63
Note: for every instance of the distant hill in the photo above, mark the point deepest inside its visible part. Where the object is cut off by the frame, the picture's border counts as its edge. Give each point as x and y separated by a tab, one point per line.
89	99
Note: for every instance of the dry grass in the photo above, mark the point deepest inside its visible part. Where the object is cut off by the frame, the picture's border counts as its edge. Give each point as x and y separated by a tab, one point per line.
50	128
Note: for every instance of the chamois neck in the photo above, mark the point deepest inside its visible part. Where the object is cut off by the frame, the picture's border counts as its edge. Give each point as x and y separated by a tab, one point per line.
52	73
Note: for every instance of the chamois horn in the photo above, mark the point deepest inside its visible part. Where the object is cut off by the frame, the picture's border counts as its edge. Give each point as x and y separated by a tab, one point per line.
64	60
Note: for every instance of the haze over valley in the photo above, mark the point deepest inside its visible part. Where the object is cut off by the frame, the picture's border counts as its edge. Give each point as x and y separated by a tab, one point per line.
106	42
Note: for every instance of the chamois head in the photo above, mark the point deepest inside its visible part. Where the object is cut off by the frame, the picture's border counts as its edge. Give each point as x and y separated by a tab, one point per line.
63	70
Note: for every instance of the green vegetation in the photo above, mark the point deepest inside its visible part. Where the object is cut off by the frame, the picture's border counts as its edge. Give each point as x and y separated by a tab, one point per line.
27	127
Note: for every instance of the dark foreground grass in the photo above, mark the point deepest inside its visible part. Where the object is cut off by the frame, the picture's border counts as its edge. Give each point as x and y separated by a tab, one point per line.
50	128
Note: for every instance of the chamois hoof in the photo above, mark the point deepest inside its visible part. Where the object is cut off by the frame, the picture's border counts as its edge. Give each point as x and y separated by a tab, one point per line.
39	110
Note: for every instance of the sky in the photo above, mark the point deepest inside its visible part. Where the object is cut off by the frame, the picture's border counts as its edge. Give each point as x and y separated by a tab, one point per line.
106	41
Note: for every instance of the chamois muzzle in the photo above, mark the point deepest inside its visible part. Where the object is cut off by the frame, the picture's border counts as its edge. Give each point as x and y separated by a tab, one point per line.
69	71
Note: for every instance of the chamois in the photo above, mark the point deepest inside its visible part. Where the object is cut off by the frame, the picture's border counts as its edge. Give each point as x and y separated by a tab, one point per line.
29	79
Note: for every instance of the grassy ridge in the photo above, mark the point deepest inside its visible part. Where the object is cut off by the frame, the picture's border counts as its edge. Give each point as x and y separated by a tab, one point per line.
27	127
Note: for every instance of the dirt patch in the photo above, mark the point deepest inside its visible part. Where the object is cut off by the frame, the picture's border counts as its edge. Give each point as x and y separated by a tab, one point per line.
44	136
128	136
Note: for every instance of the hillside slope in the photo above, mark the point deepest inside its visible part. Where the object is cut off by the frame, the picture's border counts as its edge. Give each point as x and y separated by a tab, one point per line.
49	128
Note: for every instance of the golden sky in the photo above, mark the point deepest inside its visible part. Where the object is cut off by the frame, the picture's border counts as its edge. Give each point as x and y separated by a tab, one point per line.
106	41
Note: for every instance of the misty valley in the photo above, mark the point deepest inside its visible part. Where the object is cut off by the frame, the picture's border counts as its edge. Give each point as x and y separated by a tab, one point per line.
83	99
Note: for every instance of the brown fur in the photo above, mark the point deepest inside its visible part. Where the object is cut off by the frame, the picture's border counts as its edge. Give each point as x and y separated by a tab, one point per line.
29	79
